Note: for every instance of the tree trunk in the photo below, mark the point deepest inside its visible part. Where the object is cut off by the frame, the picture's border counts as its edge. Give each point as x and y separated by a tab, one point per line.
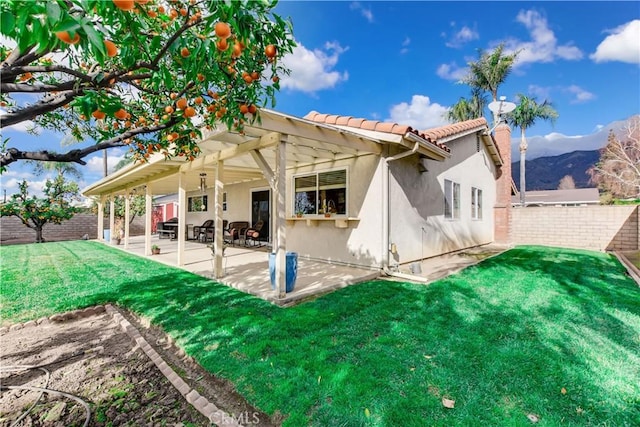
523	155
38	229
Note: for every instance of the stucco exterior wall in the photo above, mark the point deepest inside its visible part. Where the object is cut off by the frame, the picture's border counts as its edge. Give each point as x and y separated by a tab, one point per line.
585	227
418	228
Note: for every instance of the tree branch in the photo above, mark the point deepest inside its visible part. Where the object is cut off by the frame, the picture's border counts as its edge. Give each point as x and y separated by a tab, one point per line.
77	155
41	107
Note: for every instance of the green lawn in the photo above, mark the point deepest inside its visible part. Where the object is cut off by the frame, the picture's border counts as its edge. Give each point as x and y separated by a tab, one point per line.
502	338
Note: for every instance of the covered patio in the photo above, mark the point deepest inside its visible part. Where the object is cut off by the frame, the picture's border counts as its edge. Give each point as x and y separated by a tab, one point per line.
247	269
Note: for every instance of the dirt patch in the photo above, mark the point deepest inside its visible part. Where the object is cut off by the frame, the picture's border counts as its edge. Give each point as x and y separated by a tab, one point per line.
93	359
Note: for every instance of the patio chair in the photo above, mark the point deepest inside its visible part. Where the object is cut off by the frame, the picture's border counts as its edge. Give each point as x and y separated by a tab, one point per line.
210	232
253	234
200	232
235	231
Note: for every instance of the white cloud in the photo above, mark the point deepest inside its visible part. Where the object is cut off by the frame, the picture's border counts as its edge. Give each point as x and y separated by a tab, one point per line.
421	113
556	143
312	70
405	45
543	46
463	36
452	71
539	91
580	95
11	185
366	12
623	44
95	163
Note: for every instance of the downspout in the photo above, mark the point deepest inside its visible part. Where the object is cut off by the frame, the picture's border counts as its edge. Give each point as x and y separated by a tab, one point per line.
386	215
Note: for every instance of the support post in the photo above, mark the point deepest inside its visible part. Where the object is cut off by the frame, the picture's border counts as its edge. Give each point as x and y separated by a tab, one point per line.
148	211
182	216
280	214
219	236
127	212
112	217
101	218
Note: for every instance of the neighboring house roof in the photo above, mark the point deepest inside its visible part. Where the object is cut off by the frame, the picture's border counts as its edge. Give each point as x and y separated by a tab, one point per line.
577	196
436	136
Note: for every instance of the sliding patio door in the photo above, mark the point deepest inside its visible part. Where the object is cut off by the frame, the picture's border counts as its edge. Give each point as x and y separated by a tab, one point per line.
261	211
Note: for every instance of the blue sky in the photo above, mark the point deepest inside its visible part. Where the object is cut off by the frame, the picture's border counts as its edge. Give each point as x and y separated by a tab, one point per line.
400	61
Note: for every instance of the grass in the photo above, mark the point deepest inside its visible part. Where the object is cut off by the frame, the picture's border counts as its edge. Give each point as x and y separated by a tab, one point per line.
502	339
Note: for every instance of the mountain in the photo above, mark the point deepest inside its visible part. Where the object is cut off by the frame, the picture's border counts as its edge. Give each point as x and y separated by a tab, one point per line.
545	173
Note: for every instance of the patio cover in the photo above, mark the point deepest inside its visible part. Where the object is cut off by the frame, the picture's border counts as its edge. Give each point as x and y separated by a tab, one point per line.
266	149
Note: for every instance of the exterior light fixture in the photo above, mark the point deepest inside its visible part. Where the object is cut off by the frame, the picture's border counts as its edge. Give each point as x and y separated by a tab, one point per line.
203	182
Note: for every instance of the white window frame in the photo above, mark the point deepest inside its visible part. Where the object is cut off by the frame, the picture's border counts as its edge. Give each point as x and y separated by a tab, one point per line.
451	199
319	210
476	203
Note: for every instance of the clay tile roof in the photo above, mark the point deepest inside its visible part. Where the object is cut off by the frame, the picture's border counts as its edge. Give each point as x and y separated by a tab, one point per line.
355	123
369	124
343	120
449	130
331	119
431	135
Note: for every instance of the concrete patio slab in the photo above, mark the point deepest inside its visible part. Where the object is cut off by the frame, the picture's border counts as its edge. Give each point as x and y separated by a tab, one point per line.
247	269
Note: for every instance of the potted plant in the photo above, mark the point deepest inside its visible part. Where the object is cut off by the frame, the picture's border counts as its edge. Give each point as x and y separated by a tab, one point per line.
155	249
299	214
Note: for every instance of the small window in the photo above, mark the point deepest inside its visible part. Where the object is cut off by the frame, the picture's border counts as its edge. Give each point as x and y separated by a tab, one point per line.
319	193
451	199
197	204
224	201
476	203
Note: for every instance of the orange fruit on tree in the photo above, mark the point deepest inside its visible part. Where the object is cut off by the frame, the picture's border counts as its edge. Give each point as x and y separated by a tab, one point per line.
181	103
142	1
275	79
244	109
183	12
255	75
247	79
222	30
252	109
121	114
168	109
160	9
184	52
124	4
152	13
66	37
112	49
200	77
25	77
270	51
198	100
173	95
237	49
173	14
222	45
98	115
189	112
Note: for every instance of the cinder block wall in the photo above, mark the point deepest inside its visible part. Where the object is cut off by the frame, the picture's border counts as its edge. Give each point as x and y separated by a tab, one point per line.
586	227
13	231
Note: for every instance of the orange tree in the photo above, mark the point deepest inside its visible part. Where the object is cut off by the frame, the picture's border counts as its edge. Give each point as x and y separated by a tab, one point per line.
34	212
146	74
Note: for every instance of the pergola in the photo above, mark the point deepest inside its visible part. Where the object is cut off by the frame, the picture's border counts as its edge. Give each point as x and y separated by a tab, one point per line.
264	151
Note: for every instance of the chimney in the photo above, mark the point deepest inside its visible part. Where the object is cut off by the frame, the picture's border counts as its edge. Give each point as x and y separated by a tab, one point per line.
502	208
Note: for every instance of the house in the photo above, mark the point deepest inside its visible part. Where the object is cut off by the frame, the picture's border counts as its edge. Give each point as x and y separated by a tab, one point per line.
337	188
572	197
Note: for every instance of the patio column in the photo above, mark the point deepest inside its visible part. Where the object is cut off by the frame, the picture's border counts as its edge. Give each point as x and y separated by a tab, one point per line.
112	216
127	207
182	215
219	236
101	218
280	193
148	208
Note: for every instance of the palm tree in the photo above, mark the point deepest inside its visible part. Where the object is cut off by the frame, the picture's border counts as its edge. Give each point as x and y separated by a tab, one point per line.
468	109
490	71
525	115
60	168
